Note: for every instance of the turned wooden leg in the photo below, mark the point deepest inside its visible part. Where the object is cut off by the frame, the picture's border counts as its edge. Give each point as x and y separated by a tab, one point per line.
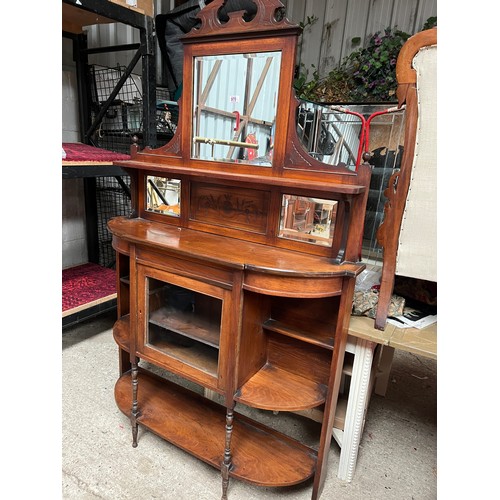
135	409
226	463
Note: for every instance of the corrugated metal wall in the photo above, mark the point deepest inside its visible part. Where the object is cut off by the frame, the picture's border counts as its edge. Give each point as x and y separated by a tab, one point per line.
327	41
324	43
108	35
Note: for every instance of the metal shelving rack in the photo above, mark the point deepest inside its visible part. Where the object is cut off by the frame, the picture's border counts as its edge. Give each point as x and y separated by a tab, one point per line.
107	192
105	11
88	12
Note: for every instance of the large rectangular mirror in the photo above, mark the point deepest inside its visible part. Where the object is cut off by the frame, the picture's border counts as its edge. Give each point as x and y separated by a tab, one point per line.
234	107
311	220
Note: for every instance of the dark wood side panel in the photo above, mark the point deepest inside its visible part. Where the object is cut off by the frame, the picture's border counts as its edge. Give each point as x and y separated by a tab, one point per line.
253	345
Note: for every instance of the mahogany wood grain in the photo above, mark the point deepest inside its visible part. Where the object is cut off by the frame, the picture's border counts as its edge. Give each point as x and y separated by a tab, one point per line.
227	252
263	24
211	274
318	317
123	303
123	284
230	343
277	341
198	355
197	363
134	307
241	208
306	360
177	359
273	388
341	327
259	455
291	286
252	353
121	333
343	182
405	73
305	335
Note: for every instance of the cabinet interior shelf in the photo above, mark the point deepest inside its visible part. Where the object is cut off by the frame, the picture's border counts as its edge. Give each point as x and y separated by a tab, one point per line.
200	356
273	388
310	337
183	417
187	324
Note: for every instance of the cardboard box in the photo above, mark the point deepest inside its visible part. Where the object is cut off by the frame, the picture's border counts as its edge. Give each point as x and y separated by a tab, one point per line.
143	6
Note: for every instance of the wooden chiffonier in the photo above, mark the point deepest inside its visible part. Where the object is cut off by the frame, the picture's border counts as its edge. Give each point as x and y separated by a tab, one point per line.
236	268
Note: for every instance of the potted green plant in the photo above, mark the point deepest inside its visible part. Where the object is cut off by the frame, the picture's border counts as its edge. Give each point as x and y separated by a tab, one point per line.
366	75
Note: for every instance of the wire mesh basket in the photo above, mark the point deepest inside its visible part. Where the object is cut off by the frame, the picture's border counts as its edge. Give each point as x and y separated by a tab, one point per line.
123	101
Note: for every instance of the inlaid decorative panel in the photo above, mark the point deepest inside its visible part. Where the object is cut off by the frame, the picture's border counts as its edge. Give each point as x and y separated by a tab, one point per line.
237	208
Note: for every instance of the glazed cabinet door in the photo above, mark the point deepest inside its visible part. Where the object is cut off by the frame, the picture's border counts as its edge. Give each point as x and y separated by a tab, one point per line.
181	325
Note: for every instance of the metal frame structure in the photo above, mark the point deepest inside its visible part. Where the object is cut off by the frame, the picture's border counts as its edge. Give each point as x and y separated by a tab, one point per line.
107	12
145	52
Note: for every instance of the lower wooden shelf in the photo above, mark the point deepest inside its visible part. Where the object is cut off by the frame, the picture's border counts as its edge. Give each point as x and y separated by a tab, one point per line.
260	455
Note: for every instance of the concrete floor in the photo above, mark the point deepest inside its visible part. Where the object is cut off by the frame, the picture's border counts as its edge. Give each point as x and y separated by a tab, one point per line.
397	456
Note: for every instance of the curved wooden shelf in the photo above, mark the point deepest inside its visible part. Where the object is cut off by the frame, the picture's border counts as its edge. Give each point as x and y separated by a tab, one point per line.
260	455
273	388
121	331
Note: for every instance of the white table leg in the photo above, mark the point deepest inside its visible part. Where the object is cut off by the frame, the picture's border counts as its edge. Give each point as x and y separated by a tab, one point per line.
359	396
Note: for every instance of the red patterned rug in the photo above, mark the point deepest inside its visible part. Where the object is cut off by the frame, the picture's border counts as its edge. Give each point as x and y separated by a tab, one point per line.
86	283
76	151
